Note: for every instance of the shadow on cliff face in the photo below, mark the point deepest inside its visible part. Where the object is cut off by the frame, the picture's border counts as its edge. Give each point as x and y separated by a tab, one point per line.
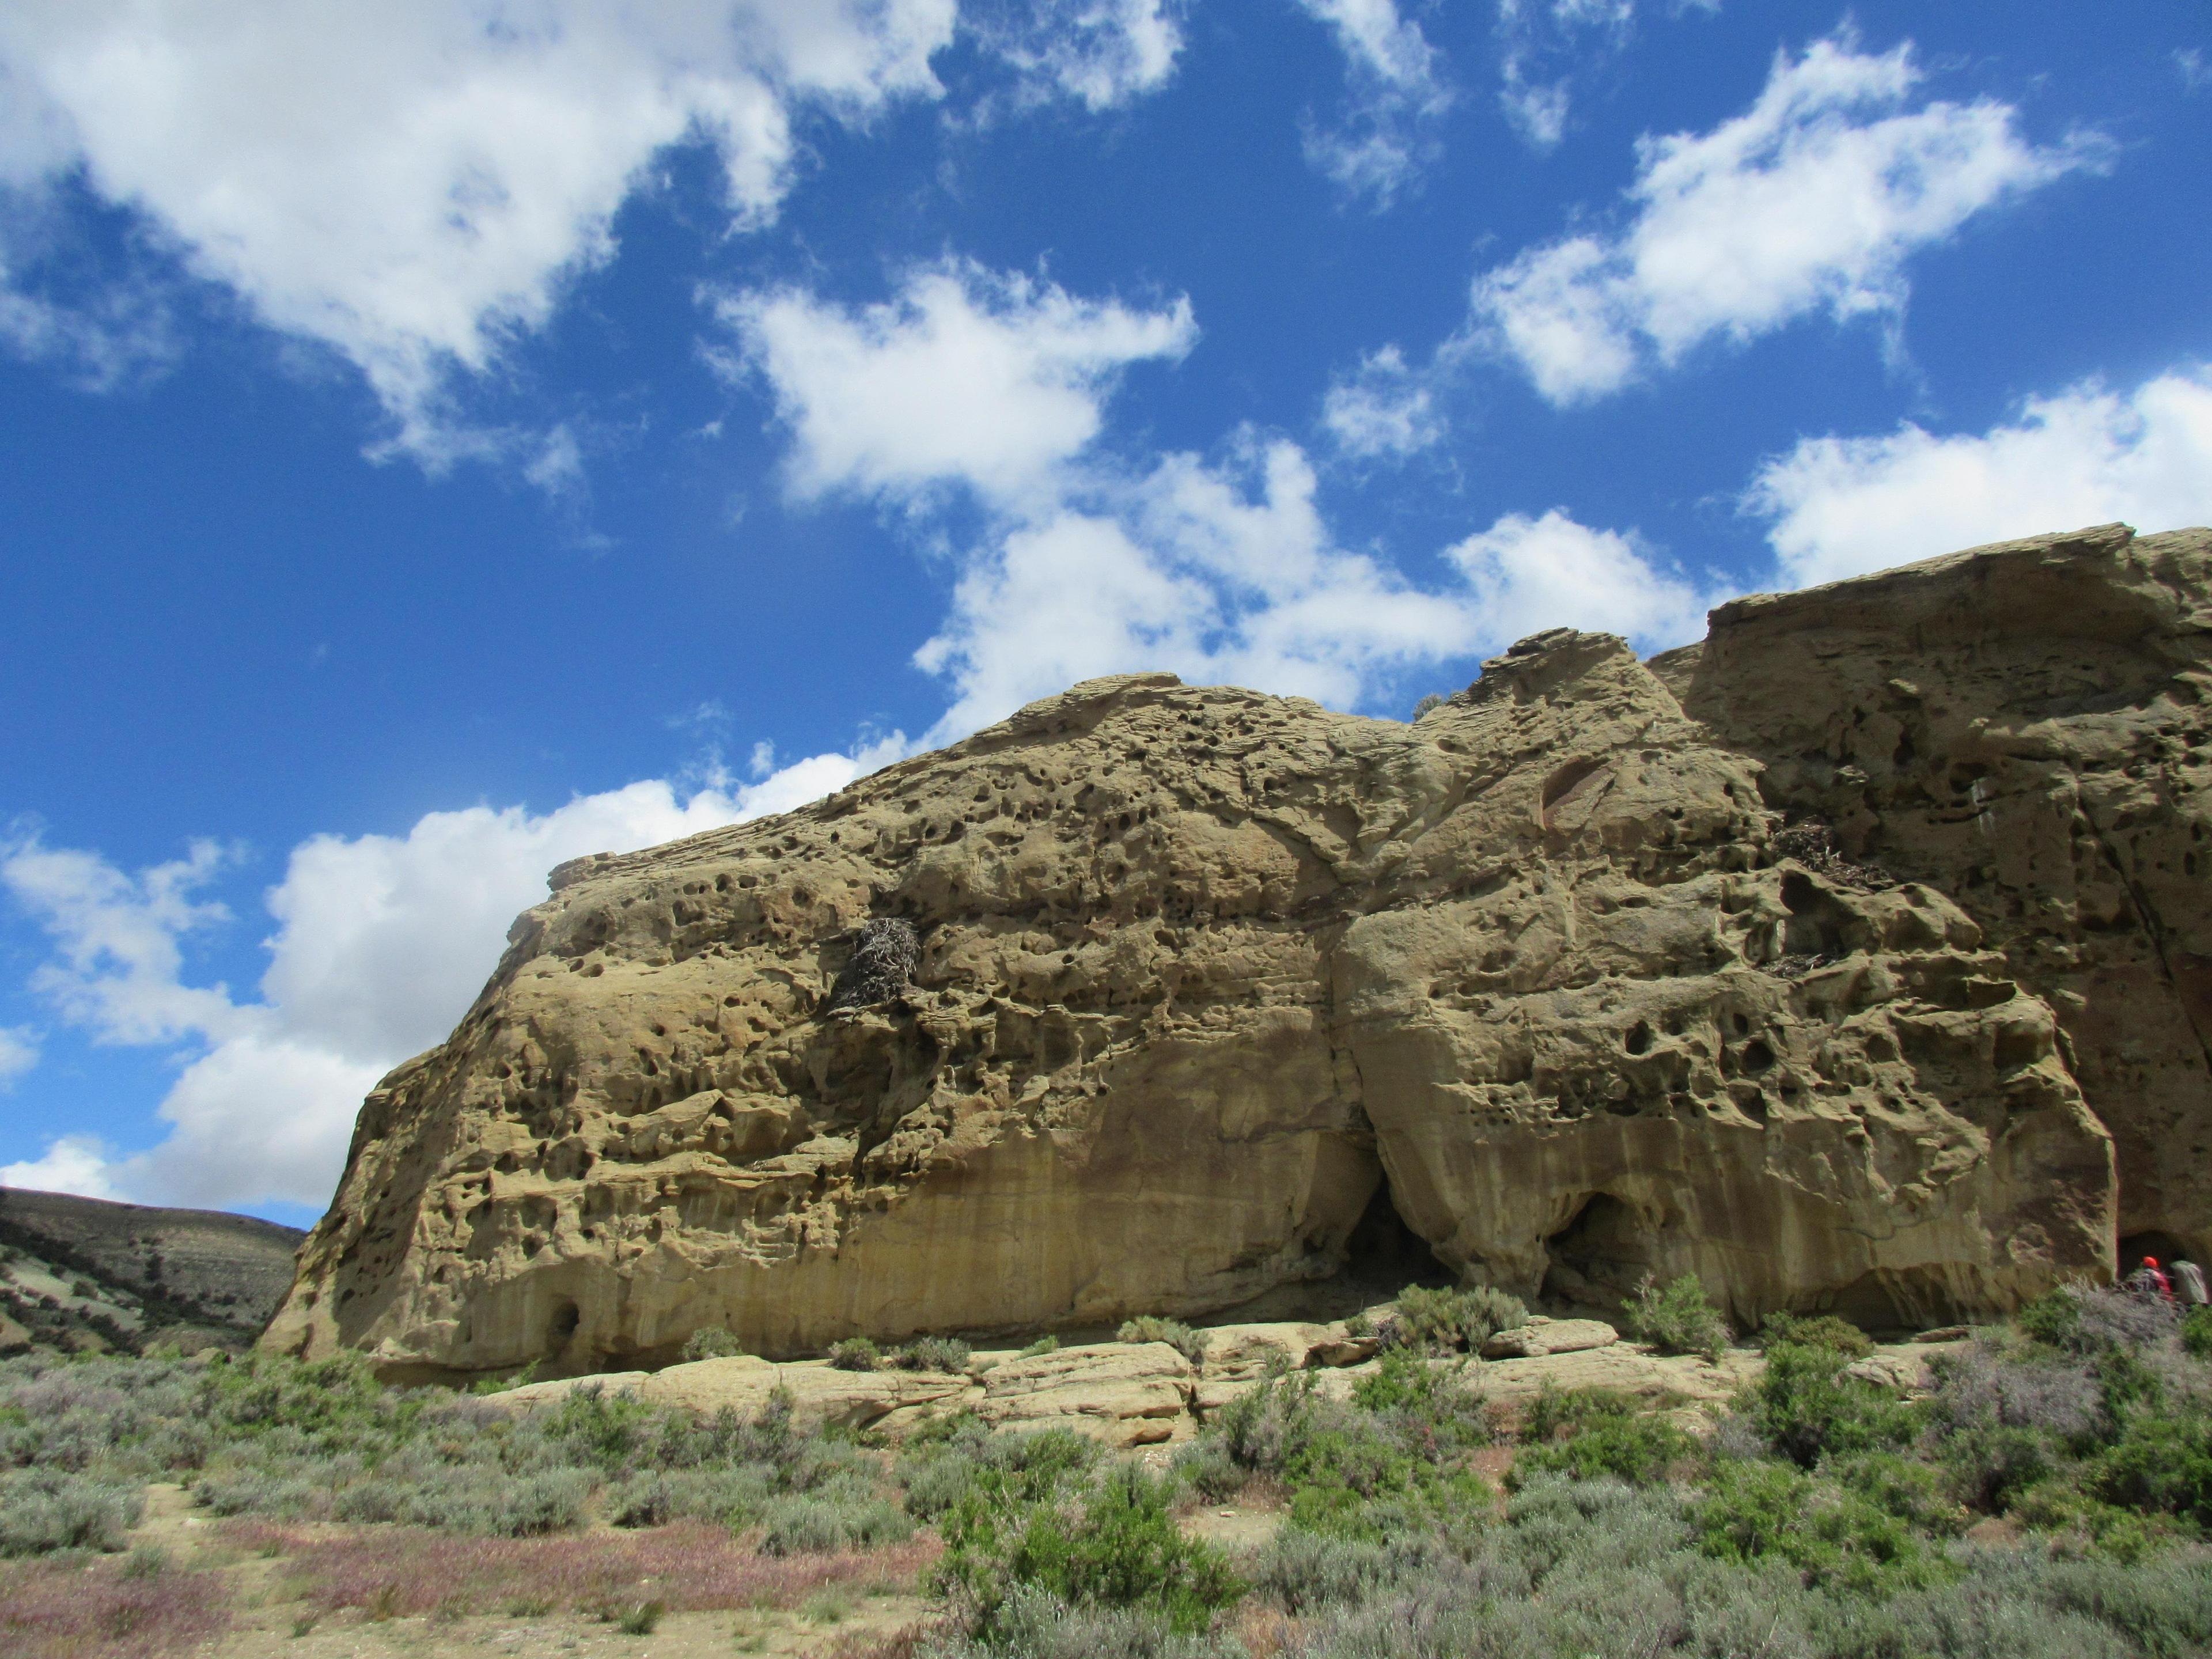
1384	1255
1597	1259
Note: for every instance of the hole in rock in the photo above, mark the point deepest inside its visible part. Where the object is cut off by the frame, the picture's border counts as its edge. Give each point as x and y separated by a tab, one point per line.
1385	1255
563	1326
1599	1256
2165	1246
1638	1040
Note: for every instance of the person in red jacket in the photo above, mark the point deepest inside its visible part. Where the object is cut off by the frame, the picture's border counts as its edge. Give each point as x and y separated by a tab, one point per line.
2150	1279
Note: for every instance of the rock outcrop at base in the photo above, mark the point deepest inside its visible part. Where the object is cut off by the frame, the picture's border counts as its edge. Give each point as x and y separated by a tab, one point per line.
1831	960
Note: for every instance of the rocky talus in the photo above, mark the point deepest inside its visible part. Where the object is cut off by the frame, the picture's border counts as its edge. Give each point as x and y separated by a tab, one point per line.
1858	958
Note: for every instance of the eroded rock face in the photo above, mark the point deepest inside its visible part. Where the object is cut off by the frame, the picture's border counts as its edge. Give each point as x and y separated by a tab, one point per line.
1609	968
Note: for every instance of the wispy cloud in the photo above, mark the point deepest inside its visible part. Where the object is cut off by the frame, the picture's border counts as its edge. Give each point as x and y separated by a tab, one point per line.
1812	200
1395	95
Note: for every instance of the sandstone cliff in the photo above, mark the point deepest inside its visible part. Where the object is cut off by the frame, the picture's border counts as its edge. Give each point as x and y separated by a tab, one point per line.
1835	960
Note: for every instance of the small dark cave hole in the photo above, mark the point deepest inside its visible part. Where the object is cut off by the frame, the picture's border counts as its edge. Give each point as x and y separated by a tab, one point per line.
1384	1255
1599	1256
2165	1247
563	1326
1638	1040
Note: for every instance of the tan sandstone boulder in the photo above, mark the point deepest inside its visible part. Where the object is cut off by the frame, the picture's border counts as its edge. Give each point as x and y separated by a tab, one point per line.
1540	1336
1127	1393
1827	962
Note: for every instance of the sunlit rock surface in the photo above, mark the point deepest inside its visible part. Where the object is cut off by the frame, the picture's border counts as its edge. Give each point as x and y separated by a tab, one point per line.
1831	960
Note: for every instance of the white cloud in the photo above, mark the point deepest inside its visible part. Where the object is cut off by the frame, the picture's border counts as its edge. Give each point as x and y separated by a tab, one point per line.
1396	91
19	1053
1541	43
381	943
1842	506
1527	575
71	1164
411	183
966	376
1383	411
2195	73
1811	200
1090	563
1104	53
120	959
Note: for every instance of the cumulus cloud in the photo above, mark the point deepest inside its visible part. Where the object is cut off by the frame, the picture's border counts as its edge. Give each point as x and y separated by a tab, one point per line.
379	942
411	183
965	376
1088	563
1384	411
1812	200
1526	574
1395	93
1842	506
70	1164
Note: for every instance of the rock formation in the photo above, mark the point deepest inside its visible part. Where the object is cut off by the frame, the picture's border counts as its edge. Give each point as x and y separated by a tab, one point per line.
1858	958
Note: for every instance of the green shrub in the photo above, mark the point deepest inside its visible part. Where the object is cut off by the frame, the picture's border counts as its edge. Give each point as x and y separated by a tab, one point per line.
1430	1404
1917	1493
948	1354
1190	1344
712	1342
642	1618
1302	1572
1817	1331
1640	1451
1007	1469
1676	1318
832	1520
1351	1472
1753	1510
1440	1320
731	1497
1119	1548
1034	1624
854	1353
1806	1408
2162	1462
46	1509
1044	1345
2197	1333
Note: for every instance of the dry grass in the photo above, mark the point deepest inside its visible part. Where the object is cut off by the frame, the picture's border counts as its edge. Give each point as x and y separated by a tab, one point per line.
59	1610
398	1572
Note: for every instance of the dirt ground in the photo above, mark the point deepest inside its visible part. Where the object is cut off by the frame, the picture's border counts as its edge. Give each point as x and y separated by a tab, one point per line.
271	1619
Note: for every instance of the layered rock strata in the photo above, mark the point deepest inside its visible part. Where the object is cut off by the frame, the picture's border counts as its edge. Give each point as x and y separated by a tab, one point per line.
1829	960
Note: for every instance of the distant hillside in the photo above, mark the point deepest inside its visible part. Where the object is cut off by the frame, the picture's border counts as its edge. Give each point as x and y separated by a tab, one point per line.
83	1274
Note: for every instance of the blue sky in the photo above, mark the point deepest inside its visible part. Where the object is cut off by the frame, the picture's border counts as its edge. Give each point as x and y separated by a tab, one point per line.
446	439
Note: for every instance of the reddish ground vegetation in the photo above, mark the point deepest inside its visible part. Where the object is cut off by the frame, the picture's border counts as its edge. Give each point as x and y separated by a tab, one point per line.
687	1567
60	1610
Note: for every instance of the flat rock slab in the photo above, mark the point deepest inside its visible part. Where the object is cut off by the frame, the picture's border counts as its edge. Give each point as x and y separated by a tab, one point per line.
821	1394
1247	1351
1542	1336
1127	1393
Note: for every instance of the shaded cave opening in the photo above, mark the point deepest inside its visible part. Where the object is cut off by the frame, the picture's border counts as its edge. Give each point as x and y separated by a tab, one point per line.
1384	1255
2135	1247
1598	1258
